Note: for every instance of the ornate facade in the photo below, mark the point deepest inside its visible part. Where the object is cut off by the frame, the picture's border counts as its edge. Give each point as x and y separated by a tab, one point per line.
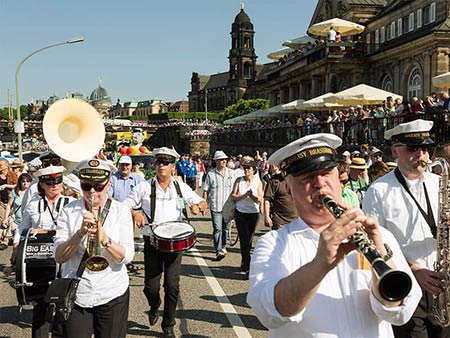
404	45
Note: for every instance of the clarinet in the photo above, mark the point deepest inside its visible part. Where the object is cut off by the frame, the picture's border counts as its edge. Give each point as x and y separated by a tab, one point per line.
393	285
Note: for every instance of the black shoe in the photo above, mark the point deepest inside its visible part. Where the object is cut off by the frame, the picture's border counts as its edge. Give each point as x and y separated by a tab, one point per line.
168	333
3	246
153	316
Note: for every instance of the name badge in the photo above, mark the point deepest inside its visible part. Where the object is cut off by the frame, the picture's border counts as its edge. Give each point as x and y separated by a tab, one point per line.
180	203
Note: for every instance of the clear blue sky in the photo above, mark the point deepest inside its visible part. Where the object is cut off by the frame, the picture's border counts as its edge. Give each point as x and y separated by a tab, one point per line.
140	48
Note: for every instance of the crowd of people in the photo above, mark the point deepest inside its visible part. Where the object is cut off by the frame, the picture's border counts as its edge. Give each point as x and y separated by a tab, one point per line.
309	276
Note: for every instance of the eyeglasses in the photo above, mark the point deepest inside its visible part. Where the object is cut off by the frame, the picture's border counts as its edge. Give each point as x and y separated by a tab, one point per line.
97	186
51	161
163	162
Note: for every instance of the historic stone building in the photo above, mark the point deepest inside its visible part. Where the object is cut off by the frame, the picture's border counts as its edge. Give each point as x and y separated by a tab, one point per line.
215	92
404	45
100	100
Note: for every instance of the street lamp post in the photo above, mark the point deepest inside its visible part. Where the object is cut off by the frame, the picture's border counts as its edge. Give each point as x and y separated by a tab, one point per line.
18	125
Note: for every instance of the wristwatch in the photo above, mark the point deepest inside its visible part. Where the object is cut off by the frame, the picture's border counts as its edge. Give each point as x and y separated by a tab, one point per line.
389	253
107	244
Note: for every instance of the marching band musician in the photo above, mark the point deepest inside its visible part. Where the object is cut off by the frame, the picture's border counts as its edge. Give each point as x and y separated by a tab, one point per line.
169	201
405	201
71	184
41	213
307	279
102	297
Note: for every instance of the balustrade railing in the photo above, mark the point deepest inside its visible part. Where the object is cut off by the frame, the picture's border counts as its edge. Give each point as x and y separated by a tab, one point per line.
370	131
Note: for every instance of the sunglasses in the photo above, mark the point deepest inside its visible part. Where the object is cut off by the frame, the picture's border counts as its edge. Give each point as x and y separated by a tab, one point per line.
97	186
52	161
423	147
163	162
57	180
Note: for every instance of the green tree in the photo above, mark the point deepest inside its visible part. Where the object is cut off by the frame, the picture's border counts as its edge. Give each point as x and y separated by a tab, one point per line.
243	107
4	112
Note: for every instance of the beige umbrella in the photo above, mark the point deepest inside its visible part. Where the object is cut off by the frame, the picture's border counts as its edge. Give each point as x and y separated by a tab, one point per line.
343	26
234	120
442	81
291	106
360	94
279	54
298	42
318	103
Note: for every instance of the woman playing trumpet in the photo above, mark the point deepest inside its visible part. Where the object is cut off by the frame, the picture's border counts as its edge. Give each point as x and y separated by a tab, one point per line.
102	299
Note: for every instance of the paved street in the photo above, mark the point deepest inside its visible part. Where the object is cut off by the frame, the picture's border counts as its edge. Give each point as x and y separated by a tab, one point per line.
212	302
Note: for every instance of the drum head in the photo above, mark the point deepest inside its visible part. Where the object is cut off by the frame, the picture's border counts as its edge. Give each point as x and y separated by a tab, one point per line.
173	230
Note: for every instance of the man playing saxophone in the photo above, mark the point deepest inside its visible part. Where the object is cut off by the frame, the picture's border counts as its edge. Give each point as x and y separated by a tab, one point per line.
104	226
307	279
405	201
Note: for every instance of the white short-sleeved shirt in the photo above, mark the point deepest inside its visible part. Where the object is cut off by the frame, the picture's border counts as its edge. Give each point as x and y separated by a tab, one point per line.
167	205
219	188
343	305
396	211
97	288
247	205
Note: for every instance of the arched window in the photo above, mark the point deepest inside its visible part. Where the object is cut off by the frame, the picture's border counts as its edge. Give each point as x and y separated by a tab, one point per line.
387	84
415	84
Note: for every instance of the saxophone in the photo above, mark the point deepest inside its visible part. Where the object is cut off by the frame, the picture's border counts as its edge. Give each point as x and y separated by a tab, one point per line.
441	302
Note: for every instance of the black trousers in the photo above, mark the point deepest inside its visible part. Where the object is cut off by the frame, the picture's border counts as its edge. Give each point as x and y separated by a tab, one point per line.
246	225
157	262
40	327
422	324
107	320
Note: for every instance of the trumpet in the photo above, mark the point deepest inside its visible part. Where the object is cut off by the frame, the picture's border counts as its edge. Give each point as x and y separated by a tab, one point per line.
393	285
95	261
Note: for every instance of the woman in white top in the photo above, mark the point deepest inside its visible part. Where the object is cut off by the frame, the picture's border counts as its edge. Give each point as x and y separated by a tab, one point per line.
102	298
41	213
248	195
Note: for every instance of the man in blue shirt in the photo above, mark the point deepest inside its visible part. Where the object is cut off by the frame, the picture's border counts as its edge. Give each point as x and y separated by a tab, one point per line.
181	167
123	181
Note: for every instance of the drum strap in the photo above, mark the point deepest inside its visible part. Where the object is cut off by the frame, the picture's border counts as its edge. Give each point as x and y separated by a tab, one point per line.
58	207
177	188
153	201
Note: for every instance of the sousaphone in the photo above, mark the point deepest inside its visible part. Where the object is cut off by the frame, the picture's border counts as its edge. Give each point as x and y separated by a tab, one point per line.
73	129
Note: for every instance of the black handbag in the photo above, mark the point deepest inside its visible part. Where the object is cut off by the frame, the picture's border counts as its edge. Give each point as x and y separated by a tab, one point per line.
61	295
60	298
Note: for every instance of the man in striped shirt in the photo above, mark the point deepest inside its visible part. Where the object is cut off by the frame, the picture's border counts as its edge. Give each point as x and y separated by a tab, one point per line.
218	184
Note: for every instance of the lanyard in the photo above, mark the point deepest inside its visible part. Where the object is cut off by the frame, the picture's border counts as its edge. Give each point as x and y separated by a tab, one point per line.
427	216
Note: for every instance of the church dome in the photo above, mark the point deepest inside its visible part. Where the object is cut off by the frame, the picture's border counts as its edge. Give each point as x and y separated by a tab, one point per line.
242	17
100	94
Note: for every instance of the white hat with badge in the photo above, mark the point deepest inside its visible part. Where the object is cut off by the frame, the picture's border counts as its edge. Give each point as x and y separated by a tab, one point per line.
51	174
95	170
411	133
166	153
50	170
307	154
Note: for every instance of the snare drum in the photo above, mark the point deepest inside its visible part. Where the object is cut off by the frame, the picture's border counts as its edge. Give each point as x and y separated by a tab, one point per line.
173	236
35	265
